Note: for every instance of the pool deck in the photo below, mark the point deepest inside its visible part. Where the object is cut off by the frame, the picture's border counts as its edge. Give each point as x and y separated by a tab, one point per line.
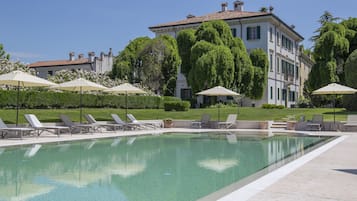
329	174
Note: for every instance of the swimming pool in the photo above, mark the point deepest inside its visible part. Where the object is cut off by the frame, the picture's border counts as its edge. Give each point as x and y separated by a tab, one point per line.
175	166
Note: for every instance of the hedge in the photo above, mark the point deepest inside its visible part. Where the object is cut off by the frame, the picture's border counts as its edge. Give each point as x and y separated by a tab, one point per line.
272	106
47	99
176	105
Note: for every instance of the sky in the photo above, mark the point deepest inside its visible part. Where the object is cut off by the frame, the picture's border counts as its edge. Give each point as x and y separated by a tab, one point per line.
41	30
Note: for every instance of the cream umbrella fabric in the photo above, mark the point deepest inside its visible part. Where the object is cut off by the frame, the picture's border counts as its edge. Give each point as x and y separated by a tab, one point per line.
22	79
334	89
126	89
80	85
218	91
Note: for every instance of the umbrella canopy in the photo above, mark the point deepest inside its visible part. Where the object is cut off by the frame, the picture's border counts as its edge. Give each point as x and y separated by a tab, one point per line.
126	89
80	85
218	91
19	78
334	89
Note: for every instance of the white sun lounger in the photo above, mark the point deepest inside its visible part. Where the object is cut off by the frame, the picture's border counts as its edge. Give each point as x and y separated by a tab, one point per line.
39	127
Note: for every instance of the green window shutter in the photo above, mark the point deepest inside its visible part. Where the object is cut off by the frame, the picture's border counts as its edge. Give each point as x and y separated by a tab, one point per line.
258	32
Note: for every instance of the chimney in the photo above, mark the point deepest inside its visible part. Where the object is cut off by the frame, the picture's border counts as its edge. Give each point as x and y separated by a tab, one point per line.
238	6
102	56
91	56
71	56
224	6
110	53
271	9
80	56
190	16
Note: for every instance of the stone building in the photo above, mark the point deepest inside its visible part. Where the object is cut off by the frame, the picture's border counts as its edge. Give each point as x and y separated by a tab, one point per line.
101	64
257	30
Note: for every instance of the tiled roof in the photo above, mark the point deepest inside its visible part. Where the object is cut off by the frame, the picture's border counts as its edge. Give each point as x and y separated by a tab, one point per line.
226	15
59	63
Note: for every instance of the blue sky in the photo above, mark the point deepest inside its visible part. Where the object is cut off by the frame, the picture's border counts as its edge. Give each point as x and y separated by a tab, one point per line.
40	30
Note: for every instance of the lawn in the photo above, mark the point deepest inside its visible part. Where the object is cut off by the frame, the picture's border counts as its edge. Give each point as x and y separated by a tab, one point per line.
244	113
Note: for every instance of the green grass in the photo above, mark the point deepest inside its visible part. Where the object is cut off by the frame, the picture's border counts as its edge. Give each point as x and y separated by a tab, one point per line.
244	113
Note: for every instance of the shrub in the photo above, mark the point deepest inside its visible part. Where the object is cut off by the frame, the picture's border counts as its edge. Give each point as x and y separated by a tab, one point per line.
272	106
176	105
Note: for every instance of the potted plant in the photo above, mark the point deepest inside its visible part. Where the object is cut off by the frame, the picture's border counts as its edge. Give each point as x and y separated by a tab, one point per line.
168	123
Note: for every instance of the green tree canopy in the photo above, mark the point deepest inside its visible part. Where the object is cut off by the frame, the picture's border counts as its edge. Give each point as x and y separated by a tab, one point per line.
260	62
349	101
185	40
125	64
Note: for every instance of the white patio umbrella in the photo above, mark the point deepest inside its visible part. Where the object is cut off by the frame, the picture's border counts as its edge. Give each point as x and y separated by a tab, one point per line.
80	85
126	89
218	91
22	79
334	89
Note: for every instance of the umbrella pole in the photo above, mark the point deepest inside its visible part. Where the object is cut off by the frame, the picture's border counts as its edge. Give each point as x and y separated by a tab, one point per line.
17	103
126	106
334	114
80	105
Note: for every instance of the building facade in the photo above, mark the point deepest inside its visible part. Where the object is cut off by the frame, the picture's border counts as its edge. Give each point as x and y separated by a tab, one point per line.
101	64
257	30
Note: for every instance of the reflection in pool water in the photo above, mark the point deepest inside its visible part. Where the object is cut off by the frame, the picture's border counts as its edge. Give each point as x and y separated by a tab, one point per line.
167	167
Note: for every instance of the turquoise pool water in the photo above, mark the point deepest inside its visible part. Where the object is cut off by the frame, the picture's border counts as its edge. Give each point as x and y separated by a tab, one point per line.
169	167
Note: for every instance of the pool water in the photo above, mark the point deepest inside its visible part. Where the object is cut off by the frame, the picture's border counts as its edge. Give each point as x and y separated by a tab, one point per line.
169	167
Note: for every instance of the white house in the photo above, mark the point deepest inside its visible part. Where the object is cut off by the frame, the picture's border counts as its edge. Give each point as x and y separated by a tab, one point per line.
257	30
101	64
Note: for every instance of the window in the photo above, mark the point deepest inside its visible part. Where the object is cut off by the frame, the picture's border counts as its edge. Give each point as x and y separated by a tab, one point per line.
50	73
283	93
278	94
277	64
296	72
186	94
278	38
234	32
253	33
271	34
271	93
271	62
286	43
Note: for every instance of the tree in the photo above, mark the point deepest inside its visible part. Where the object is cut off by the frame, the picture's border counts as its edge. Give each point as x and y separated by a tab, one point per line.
349	101
260	62
3	54
185	40
159	62
7	66
208	33
126	63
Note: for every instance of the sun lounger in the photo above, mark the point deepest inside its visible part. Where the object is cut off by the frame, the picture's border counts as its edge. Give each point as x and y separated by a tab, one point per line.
4	129
125	125
231	121
93	121
351	123
39	127
316	123
204	122
142	124
76	126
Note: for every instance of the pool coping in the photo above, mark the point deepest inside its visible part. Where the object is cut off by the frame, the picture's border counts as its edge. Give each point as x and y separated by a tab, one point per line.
243	193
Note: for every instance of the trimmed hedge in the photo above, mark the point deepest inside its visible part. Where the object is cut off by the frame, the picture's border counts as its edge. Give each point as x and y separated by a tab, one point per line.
47	99
272	106
176	105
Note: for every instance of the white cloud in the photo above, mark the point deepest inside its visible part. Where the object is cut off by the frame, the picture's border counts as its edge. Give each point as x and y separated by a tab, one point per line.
24	55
